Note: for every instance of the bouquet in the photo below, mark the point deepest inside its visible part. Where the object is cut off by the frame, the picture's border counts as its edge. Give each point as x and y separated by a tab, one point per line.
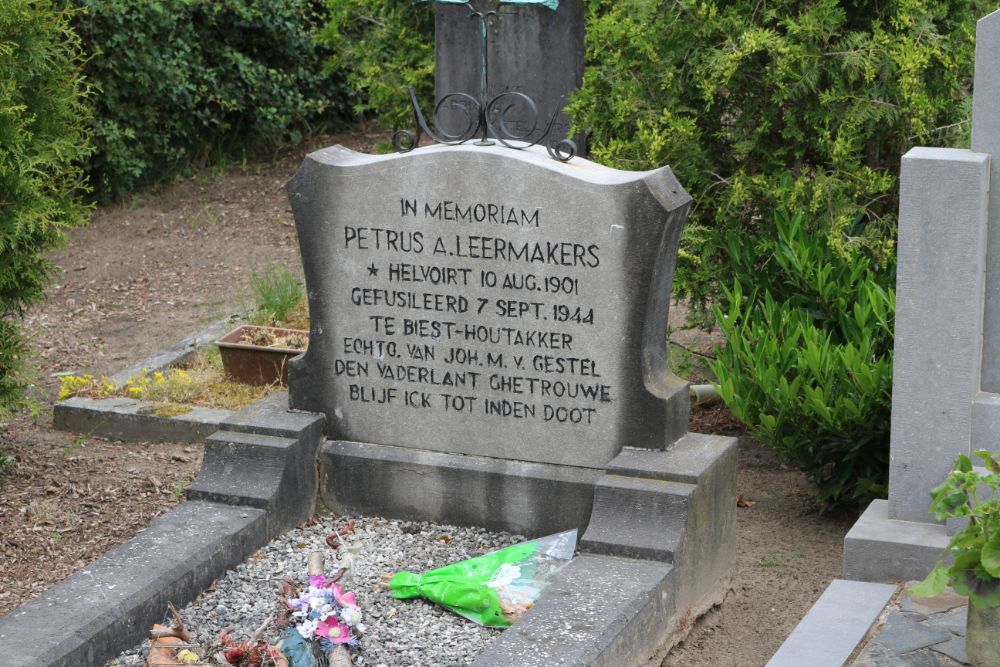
494	589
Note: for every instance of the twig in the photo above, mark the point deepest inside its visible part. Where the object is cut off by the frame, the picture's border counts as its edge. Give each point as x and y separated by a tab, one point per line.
703	355
255	637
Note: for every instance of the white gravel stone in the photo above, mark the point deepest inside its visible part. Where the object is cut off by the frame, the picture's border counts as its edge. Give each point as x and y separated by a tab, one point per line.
399	632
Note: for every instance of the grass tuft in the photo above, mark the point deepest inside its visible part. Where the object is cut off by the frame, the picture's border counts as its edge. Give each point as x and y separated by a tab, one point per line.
277	294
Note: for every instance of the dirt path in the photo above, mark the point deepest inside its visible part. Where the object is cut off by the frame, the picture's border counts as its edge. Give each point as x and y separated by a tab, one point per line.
159	267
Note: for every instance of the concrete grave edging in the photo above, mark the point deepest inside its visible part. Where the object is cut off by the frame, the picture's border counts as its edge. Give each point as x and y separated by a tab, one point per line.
131	420
657	548
835	626
111	604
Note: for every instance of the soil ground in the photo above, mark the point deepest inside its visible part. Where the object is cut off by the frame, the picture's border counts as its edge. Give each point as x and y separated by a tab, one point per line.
159	266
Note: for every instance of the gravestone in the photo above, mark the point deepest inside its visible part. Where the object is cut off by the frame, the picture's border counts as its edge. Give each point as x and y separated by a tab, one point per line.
489	302
488	345
946	375
532	50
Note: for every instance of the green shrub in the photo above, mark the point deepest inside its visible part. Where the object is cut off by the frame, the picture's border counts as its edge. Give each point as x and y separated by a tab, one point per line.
807	363
734	94
381	47
183	81
43	139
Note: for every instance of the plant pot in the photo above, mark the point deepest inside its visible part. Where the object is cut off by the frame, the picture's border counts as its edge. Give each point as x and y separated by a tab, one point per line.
982	636
254	363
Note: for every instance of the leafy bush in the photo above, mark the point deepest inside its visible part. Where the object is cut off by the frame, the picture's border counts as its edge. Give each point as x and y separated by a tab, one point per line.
181	82
733	94
381	47
807	363
42	141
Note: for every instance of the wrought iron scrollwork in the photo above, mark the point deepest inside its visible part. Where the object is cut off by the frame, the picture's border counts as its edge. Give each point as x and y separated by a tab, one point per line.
483	118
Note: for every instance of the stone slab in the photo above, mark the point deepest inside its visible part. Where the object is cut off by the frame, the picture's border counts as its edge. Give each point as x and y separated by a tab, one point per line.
878	548
939	315
986	139
580	622
876	655
271	416
693	526
418	485
685	461
834	626
651	504
111	604
263	471
533	50
130	420
638	518
954	622
523	322
242	469
954	649
903	635
944	601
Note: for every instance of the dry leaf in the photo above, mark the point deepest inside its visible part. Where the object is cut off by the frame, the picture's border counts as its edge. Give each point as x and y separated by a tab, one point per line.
741	501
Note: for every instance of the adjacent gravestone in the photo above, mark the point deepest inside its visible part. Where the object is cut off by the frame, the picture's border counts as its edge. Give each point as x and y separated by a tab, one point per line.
532	50
489	302
946	376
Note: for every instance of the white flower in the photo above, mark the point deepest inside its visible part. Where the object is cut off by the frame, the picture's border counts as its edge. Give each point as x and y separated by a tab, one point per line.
307	629
351	616
505	575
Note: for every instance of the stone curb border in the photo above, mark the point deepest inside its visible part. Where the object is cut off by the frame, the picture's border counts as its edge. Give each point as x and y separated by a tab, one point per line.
131	420
657	551
835	626
108	606
657	542
657	545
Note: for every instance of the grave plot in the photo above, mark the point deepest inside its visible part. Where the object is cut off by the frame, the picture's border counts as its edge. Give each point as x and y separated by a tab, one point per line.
537	403
395	631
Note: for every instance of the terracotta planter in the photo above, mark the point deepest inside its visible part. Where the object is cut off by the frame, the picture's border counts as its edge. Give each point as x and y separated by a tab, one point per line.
982	636
254	363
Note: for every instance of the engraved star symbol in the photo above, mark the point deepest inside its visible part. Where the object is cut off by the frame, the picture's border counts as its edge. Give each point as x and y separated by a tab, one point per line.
373	270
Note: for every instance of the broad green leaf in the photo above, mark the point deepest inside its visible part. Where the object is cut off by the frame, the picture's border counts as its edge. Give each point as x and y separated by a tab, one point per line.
932	585
990	557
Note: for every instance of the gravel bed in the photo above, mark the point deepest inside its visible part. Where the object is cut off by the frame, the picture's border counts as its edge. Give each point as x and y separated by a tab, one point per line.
399	632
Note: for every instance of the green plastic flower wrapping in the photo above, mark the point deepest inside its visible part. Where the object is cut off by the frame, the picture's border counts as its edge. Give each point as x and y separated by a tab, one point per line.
493	589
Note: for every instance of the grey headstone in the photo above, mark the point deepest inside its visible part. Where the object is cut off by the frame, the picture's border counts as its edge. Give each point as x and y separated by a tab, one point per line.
533	50
939	309
563	359
946	370
986	139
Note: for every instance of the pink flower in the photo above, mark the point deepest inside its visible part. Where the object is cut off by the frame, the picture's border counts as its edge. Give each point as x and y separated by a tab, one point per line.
317	581
342	598
333	629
